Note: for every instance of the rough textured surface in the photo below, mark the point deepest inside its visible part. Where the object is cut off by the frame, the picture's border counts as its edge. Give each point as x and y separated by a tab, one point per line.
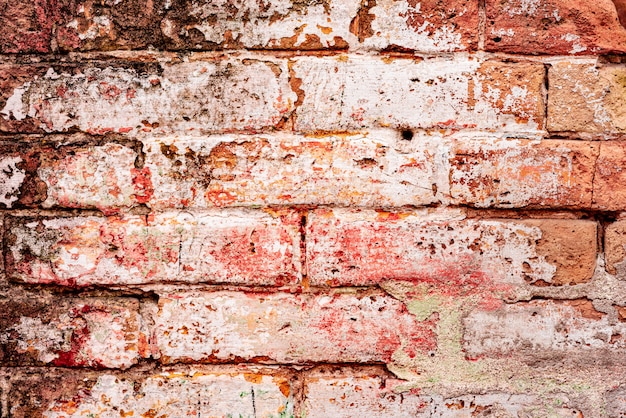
312	208
349	93
520	173
374	396
287	328
216	247
180	392
444	250
585	97
216	95
609	177
93	332
557	27
360	170
615	248
543	329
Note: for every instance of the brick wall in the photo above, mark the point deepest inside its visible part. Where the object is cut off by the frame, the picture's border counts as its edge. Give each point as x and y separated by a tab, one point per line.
333	208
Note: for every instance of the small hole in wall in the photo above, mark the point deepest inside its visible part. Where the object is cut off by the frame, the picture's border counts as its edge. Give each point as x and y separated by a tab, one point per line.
407	134
497	39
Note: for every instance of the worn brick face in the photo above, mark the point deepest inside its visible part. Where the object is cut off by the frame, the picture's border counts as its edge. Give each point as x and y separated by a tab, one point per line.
543	329
374	396
361	170
168	247
523	173
81	332
288	328
426	26
26	27
608	192
585	97
197	96
348	93
243	391
446	251
555	27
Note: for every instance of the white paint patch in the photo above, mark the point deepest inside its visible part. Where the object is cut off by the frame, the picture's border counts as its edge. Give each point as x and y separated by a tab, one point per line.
270	25
522	7
11	179
46	339
537	327
576	45
393	26
180	394
15	106
378	169
363	92
191	96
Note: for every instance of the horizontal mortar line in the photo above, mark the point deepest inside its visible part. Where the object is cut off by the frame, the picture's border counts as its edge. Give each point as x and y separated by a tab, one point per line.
152	365
475	212
149	56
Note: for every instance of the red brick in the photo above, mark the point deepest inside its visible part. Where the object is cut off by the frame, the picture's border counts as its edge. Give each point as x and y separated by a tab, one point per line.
72	332
377	169
361	92
243	247
129	24
343	395
523	173
71	174
26	26
446	252
555	27
615	402
288	328
614	248
241	391
425	26
217	95
587	98
609	192
544	329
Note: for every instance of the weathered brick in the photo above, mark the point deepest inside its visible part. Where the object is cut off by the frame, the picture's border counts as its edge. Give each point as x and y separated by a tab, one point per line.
556	27
75	332
288	328
374	396
244	247
26	27
615	401
72	175
129	24
201	96
426	26
523	173
615	248
586	98
356	92
280	24
205	25
242	392
543	329
445	251
608	183
378	169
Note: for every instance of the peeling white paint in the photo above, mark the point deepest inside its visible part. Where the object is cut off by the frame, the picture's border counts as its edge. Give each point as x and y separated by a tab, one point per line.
11	179
15	106
391	27
274	24
177	395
